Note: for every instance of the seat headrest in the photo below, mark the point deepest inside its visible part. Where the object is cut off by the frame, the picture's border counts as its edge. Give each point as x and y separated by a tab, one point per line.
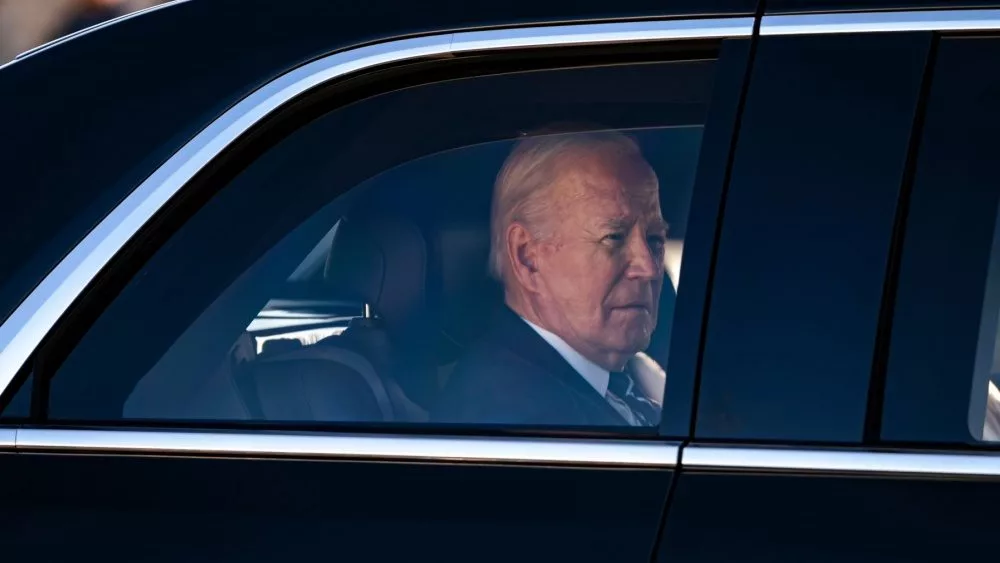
421	279
381	260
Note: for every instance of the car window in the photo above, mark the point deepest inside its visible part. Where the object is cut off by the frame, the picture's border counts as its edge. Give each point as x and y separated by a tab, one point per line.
799	282
497	250
944	357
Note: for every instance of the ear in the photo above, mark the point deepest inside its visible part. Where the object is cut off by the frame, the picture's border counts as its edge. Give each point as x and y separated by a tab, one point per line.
522	255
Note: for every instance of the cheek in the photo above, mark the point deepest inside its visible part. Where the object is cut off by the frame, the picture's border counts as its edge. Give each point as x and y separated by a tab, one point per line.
581	284
574	263
582	295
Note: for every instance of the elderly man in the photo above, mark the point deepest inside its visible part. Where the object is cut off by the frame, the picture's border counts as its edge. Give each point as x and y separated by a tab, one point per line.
578	243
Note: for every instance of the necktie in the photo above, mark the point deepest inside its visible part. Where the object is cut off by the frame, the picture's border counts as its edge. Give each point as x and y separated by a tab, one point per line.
623	392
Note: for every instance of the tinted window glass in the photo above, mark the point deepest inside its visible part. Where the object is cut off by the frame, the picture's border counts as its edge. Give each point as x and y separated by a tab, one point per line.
984	408
350	273
943	369
798	286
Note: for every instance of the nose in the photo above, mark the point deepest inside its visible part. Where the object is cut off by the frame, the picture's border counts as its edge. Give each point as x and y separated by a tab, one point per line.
642	263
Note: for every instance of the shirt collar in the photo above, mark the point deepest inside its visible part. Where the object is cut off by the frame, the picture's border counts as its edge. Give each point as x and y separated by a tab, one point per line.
595	375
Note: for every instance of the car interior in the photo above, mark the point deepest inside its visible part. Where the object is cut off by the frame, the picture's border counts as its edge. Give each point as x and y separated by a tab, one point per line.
370	323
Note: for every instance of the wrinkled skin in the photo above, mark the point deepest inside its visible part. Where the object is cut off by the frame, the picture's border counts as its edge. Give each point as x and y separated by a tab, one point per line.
595	278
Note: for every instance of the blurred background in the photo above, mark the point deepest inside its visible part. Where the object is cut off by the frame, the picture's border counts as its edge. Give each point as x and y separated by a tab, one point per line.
25	24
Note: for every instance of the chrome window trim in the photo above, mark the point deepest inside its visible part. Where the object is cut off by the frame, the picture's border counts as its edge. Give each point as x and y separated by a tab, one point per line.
545	451
861	462
8	438
602	33
22	332
95	27
518	451
871	22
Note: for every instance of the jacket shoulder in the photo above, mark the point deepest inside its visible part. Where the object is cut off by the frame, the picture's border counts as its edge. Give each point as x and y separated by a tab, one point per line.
494	384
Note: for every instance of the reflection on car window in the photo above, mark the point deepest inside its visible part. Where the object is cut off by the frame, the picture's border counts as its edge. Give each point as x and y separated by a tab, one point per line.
525	281
984	411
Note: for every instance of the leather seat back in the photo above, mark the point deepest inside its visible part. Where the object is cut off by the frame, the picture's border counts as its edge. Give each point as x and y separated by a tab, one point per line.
418	279
318	383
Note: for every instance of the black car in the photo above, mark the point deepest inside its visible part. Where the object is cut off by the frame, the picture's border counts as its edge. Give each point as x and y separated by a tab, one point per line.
245	244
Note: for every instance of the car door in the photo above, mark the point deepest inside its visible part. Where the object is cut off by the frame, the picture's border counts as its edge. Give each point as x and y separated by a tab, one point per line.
834	420
130	429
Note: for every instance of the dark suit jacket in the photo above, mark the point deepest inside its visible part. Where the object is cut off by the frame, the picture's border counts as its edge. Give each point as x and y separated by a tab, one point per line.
513	376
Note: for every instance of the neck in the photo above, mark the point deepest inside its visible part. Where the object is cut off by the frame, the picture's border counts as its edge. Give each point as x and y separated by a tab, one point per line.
525	309
534	313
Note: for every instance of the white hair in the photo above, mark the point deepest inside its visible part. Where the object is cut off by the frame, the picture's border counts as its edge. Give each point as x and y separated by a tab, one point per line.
521	193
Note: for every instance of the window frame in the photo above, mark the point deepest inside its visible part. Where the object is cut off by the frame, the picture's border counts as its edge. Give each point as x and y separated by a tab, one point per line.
878	455
737	459
37	322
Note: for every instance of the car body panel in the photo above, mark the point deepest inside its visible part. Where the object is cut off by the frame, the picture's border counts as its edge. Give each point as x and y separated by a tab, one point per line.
799	386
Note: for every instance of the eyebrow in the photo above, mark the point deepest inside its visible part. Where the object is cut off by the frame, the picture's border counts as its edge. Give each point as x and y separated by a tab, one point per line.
618	223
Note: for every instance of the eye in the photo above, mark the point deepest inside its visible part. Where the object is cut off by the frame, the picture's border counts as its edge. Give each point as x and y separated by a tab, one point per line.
656	242
615	239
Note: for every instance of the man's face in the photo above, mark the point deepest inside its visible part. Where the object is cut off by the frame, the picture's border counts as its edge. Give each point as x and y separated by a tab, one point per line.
601	271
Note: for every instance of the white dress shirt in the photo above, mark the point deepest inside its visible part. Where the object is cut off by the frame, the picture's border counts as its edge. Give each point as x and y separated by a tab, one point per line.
594	374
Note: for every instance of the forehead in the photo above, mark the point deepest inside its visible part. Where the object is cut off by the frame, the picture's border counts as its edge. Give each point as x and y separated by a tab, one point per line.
607	184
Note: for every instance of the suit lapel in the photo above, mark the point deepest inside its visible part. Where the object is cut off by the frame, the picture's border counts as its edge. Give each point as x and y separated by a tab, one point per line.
529	345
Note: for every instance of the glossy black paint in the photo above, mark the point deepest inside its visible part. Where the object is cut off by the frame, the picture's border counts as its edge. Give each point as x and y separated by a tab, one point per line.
798	370
85	121
225	510
947	255
720	517
803	251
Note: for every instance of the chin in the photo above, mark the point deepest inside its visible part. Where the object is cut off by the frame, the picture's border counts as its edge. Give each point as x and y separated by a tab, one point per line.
630	336
639	331
632	346
640	346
